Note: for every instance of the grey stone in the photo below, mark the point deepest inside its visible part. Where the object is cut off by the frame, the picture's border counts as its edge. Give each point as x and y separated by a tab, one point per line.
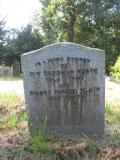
64	89
6	71
16	68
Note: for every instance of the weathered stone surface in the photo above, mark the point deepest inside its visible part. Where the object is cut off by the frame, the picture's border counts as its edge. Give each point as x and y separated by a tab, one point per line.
16	68
6	71
65	83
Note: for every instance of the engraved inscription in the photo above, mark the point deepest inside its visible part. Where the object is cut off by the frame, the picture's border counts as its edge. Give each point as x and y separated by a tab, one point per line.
67	82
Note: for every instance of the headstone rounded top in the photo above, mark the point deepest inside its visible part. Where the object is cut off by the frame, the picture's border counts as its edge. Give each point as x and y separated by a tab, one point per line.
62	44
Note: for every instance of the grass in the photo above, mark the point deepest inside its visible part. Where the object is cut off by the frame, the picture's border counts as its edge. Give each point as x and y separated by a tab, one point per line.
11	112
10	100
13	118
92	147
38	144
112	113
11	78
117	136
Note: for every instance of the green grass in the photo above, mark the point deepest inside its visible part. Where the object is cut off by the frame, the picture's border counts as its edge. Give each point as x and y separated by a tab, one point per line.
112	113
11	112
12	120
92	147
115	70
9	100
41	143
11	78
38	144
117	136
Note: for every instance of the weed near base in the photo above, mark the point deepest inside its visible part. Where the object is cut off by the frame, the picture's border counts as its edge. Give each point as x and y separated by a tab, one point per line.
38	144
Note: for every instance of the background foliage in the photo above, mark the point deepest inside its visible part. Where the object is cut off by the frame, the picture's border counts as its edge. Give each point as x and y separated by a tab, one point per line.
93	23
115	70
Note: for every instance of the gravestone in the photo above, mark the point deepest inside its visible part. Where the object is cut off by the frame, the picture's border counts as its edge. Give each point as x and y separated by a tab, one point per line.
6	71
16	68
64	85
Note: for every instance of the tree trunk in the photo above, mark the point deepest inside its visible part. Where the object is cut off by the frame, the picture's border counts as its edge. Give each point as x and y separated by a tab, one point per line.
72	20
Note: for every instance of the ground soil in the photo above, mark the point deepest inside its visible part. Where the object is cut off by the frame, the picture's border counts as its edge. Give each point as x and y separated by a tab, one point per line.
110	146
